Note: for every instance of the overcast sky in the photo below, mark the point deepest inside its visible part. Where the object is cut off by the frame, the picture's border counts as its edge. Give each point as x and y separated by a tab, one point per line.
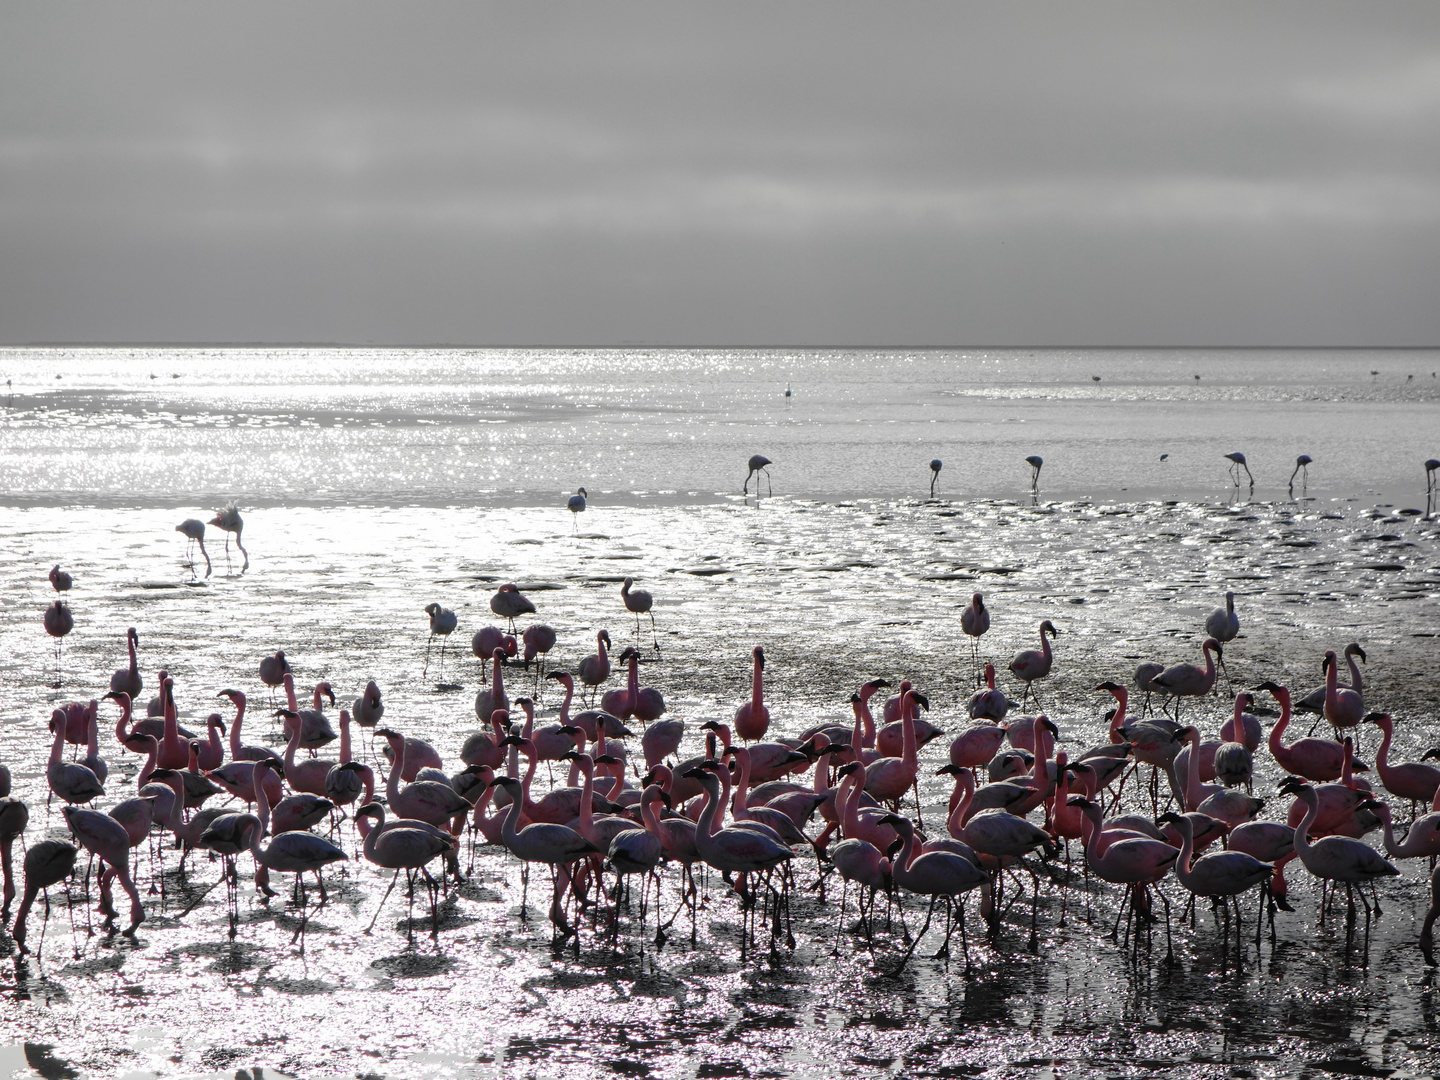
947	174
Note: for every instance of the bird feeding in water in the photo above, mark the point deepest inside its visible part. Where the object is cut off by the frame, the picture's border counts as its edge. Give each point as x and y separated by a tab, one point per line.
1035	461
1237	462
577	507
1300	463
230	521
757	466
442	622
194	530
935	465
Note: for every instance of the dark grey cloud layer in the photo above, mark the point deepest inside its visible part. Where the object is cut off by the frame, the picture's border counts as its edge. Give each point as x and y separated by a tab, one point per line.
912	174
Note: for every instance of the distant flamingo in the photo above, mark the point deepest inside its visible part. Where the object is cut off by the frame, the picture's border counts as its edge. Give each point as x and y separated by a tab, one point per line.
935	466
1145	683
1237	462
1033	664
489	638
194	530
1035	461
1300	467
1314	700
1343	708
974	621
752	719
510	603
639	602
58	622
488	700
368	707
576	506
128	679
230	521
758	463
273	670
1223	624
1413	780
442	622
60	581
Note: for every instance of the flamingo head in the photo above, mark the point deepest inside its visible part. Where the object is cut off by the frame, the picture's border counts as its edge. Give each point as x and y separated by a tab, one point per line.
509	783
562	677
850	767
432	610
948	770
603	635
1354	649
215	720
840	748
1048	627
1294	785
629	654
120	698
1379	719
1109	687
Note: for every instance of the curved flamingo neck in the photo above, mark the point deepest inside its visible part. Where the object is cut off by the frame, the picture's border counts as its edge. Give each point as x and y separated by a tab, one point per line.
235	728
293	744
1302	831
739	810
850	793
1355	682
262	800
151	761
1187	852
569	685
1279	750
907	852
634	681
291	701
1382	756
705	825
57	748
1192	769
990	676
757	680
1331	682
344	736
909	753
587	797
965	787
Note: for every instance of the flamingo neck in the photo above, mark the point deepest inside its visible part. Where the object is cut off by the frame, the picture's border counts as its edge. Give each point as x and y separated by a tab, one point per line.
587	802
1355	683
1382	756
1302	831
739	808
850	796
344	736
756	687
569	685
1187	851
965	787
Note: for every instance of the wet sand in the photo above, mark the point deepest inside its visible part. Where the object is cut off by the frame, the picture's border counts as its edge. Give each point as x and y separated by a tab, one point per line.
836	594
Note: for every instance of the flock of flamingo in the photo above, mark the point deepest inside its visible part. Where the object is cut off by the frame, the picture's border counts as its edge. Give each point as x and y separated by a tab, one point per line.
618	815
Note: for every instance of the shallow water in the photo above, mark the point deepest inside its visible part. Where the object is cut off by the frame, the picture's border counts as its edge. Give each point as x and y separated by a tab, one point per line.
837	590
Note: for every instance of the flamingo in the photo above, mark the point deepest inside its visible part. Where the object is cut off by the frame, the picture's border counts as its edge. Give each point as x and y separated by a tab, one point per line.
1413	780
14	816
442	622
106	838
1035	664
1243	726
47	863
1427	936
974	621
294	852
1137	862
595	668
510	603
1270	842
989	704
369	708
238	751
936	874
1423	838
1314	701
546	842
60	581
58	622
639	602
489	638
1145	683
1343	708
308	775
1237	462
1035	461
273	670
1187	680
428	800
732	850
1300	467
1222	875
758	463
1219	802
1335	858
315	728
400	848
539	640
1430	466
294	813
576	506
935	466
229	521
488	701
752	719
194	530
1223	624
888	778
1315	759
128	679
73	782
976	745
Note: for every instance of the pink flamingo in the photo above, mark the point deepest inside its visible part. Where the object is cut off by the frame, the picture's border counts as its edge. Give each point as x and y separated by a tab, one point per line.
239	751
1187	680
128	679
1413	780
194	532
1315	759
1335	858
974	621
489	638
1423	838
58	622
936	874
752	719
1314	701
487	701
1032	664
73	782
1138	863
106	838
539	640
47	863
887	779
510	603
229	521
890	739
60	581
428	800
547	842
639	602
595	668
1343	708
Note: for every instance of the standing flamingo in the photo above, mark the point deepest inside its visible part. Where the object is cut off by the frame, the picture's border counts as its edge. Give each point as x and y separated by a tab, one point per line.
1035	461
557	845
576	506
1223	624
639	602
752	719
974	621
539	640
107	839
1187	680
1430	466
58	622
489	700
1314	700
47	863
273	670
442	622
510	603
229	521
194	530
1315	759
1343	708
1033	664
1237	462
1413	780
1300	467
60	581
758	463
128	679
1334	858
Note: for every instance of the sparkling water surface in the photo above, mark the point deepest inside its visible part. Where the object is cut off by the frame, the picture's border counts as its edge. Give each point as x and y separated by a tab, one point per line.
375	482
